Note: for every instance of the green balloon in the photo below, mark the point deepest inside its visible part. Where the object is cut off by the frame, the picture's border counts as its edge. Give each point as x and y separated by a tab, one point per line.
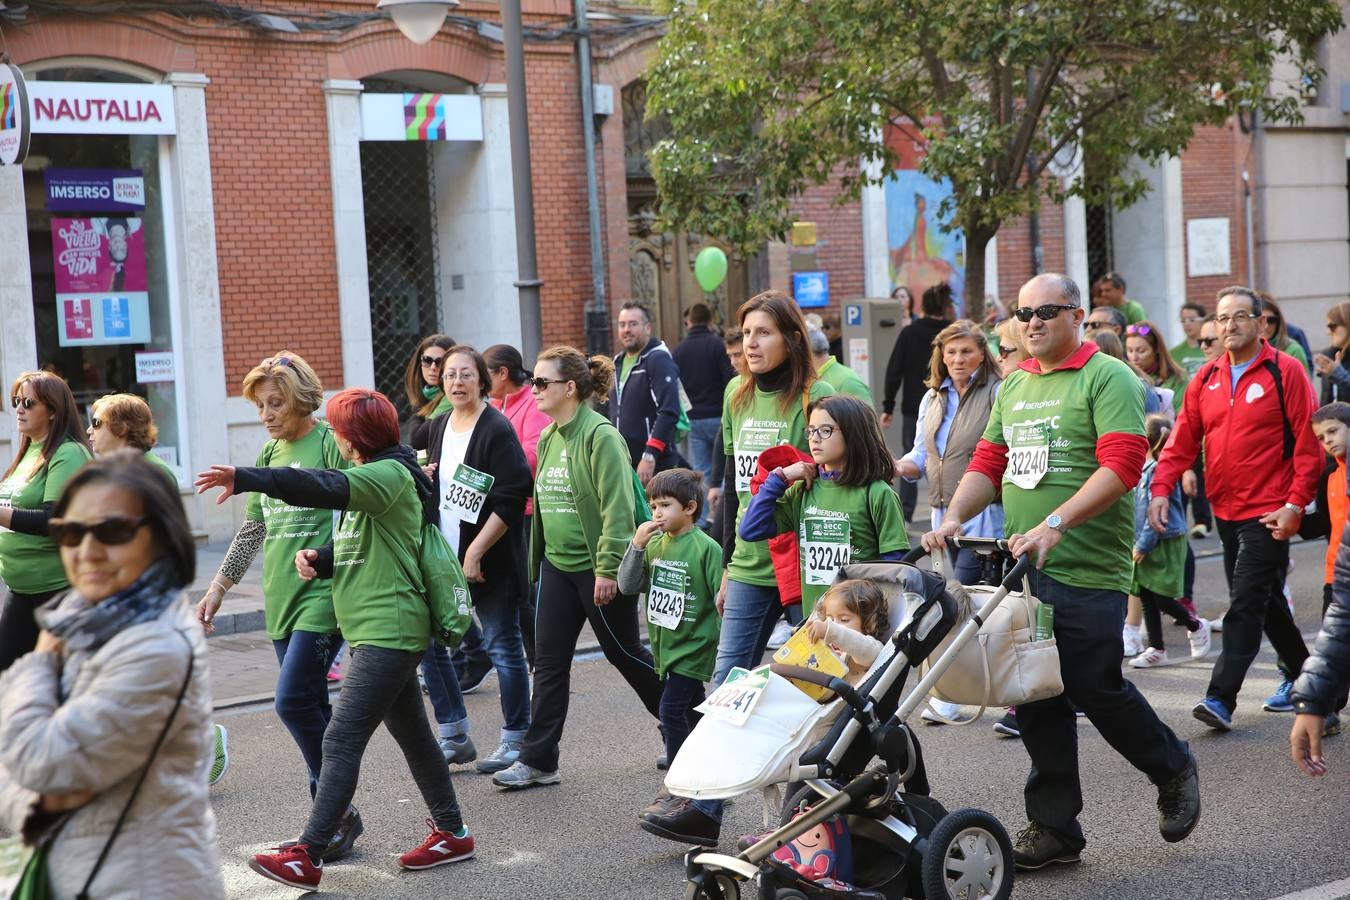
710	268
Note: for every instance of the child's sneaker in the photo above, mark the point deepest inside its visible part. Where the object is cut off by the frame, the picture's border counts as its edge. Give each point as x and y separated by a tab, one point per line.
1152	658
289	865
1280	701
781	632
1007	726
458	750
1134	644
335	671
439	848
220	760
1201	642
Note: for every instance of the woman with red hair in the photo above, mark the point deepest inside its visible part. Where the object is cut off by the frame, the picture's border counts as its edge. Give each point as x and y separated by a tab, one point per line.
385	500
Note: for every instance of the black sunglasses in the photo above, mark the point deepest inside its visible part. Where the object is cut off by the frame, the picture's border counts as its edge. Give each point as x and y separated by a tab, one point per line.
1044	313
1206	342
432	361
541	383
95	422
25	402
111	531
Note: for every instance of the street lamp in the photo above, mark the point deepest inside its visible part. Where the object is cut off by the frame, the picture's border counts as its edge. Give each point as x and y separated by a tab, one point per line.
420	20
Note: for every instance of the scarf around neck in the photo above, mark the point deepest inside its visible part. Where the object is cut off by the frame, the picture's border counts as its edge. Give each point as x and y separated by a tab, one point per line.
88	627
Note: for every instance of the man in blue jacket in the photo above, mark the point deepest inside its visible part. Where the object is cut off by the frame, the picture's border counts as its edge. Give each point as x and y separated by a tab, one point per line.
644	403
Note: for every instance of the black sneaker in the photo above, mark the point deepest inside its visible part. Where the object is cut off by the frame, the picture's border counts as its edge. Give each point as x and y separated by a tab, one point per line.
1179	804
340	846
1007	726
473	673
683	824
1037	847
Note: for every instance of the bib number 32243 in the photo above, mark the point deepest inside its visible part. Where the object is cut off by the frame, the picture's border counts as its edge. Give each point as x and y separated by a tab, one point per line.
665	598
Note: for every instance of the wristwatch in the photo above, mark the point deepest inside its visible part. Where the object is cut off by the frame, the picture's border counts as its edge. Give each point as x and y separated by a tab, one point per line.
1054	521
1294	507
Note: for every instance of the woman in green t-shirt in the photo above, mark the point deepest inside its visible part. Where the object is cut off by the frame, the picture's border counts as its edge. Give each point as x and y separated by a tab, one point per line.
299	614
422	384
585	503
385	499
125	422
764	408
52	446
1145	350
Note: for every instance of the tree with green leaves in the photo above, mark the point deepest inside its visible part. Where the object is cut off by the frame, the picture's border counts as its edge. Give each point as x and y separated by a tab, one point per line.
766	98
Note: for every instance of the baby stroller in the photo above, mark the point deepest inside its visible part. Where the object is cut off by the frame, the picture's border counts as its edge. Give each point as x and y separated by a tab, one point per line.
853	756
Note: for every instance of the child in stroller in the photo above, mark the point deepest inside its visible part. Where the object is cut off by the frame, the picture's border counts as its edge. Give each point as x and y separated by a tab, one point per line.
853	757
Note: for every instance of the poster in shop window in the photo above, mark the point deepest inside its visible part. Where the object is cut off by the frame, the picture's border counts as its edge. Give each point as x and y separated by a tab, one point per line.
101	292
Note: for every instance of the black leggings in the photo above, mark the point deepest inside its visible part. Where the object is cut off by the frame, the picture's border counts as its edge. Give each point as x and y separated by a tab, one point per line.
18	628
566	603
1154	606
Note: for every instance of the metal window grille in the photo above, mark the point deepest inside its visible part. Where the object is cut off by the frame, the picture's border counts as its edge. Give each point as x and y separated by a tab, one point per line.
399	189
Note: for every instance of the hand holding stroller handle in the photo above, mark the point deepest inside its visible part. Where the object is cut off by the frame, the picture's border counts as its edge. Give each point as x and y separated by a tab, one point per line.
958	542
1019	571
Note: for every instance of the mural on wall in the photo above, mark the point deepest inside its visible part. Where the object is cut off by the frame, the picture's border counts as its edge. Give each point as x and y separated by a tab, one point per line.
922	252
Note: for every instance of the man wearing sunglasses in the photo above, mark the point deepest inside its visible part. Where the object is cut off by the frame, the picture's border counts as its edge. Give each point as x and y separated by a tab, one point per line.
1065	444
1251	410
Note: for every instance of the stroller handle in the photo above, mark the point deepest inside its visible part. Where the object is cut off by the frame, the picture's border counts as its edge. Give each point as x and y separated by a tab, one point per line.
1014	576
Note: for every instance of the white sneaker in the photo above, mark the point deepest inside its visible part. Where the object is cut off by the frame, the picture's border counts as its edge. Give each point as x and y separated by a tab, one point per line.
1216	625
781	632
1152	658
940	712
1134	644
1201	641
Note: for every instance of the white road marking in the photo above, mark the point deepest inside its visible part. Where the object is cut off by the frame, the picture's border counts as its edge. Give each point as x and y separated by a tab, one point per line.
1332	890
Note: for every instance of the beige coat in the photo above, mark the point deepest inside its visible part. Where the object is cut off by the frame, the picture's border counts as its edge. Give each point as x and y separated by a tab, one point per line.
99	740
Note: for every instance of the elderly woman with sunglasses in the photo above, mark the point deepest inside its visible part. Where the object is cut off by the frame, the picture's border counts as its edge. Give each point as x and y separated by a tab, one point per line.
124	422
52	446
298	614
103	727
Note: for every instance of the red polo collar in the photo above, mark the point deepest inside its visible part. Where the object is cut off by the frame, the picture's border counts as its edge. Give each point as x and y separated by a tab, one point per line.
1076	360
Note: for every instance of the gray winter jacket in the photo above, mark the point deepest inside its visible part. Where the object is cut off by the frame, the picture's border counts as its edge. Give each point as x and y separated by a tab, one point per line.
98	740
1327	671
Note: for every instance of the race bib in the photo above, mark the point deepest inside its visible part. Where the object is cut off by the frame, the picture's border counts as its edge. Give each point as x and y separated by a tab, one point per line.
736	698
1028	455
466	493
749	445
825	548
665	598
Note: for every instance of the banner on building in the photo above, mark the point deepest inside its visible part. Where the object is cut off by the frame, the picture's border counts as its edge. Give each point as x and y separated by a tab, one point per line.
421	117
78	107
94	190
101	292
923	249
15	120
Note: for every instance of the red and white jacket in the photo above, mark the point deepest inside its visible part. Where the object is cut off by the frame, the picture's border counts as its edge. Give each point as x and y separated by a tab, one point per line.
1242	434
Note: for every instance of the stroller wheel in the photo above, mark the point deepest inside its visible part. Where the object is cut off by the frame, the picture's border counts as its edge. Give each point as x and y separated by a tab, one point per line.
969	857
717	886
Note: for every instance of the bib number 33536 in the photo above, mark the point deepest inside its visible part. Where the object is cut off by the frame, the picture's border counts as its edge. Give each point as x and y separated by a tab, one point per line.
466	493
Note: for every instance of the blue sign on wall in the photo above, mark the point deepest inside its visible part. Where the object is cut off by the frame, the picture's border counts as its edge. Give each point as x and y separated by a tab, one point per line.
811	289
853	314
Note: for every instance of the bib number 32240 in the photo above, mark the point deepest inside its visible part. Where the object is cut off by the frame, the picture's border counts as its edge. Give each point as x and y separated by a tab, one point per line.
1028	455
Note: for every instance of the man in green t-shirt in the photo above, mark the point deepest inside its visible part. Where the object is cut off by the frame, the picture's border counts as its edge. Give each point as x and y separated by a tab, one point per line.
1065	444
1110	291
1188	353
834	373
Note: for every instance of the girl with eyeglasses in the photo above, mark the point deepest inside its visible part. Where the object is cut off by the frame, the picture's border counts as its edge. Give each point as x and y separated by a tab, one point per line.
422	384
840	505
299	615
1145	350
52	446
586	503
118	690
1331	362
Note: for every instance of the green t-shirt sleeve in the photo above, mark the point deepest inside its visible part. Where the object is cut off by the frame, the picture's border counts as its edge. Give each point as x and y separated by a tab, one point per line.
728	439
64	463
375	487
889	520
1118	401
1295	349
788	511
712	566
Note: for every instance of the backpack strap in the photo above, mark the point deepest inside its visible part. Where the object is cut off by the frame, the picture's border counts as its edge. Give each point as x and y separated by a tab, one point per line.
1274	369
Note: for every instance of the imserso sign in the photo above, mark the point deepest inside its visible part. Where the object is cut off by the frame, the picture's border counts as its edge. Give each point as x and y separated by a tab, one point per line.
76	107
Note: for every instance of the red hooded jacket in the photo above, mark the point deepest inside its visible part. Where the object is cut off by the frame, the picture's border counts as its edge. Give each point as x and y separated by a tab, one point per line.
783	548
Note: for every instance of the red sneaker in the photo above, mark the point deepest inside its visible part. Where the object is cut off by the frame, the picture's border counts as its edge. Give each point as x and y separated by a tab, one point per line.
289	865
439	848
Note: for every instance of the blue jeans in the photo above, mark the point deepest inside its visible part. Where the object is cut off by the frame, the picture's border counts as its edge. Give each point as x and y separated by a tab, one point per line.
498	612
302	693
1088	625
705	440
751	612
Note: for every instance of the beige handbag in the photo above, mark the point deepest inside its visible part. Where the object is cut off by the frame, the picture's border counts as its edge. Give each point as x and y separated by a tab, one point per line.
1003	666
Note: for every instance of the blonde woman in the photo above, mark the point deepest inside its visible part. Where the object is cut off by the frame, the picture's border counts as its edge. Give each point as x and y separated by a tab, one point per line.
124	422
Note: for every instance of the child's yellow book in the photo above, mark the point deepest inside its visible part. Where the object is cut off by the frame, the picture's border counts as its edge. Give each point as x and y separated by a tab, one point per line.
800	650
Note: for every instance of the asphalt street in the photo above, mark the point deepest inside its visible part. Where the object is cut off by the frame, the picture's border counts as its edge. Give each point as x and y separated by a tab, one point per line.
1266	830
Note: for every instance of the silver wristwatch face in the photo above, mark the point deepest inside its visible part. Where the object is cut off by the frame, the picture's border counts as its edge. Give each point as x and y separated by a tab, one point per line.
1055	522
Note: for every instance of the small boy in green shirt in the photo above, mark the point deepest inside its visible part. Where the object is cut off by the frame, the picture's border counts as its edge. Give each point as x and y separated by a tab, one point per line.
680	569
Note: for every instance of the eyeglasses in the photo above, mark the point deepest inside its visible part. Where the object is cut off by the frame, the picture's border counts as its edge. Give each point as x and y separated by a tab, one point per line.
1005	352
95	422
111	531
1044	313
1090	325
541	383
25	402
824	432
432	362
461	375
1207	342
1189	320
1237	318
1138	330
